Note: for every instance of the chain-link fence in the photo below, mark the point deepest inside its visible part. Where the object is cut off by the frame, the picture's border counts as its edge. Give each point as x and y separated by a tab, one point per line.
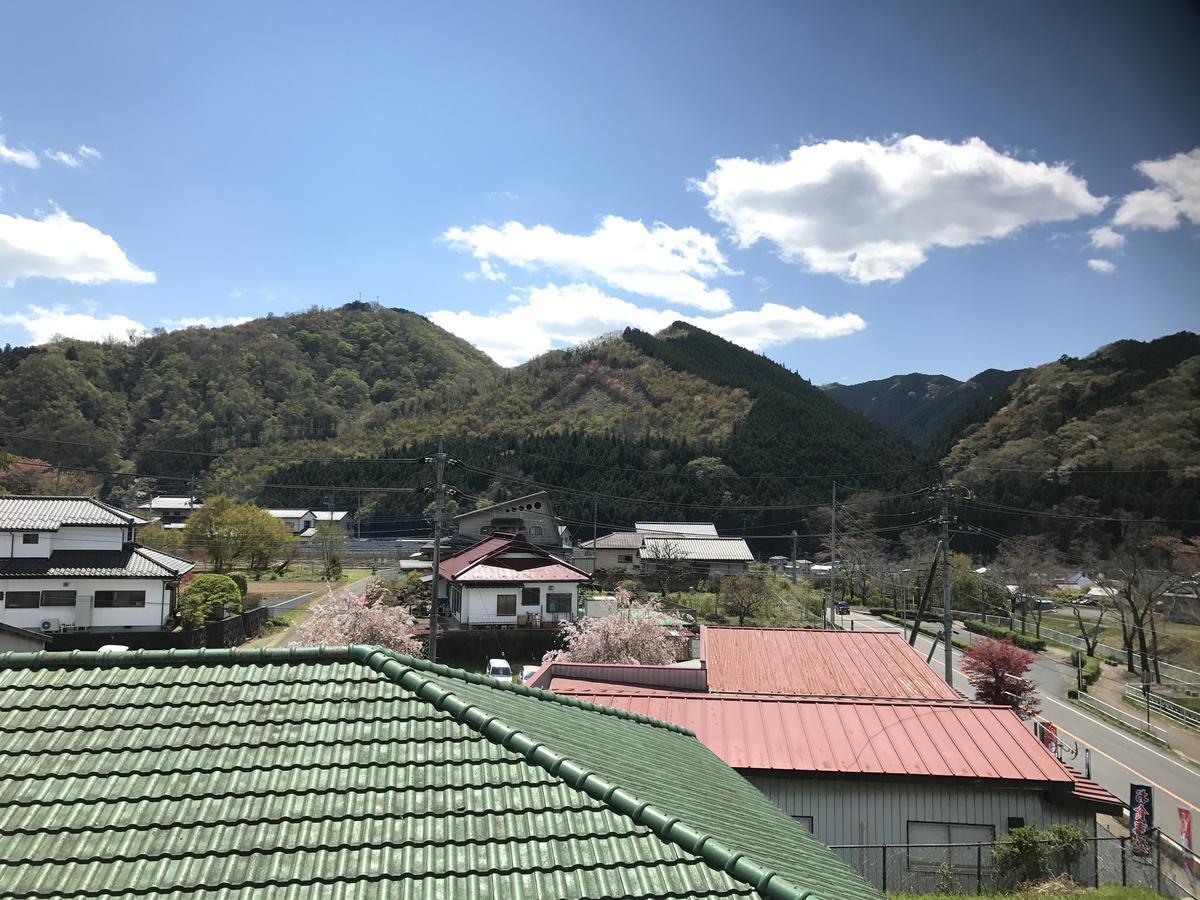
970	869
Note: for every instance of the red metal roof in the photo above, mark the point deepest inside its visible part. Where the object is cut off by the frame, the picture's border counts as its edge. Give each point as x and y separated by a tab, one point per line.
547	571
849	737
580	686
796	662
537	565
1090	793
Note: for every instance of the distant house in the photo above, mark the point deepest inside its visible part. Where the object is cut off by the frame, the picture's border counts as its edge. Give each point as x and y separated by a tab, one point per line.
532	515
303	522
676	529
856	738
508	580
616	552
704	556
170	512
401	778
73	563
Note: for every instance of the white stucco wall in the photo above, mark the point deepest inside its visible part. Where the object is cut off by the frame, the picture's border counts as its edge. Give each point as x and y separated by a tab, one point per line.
71	537
479	603
83	614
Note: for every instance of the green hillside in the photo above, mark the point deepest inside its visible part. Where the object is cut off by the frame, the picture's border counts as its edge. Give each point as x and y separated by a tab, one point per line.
1118	430
920	407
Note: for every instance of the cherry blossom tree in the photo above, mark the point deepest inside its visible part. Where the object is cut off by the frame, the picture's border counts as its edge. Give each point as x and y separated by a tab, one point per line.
632	634
348	618
996	669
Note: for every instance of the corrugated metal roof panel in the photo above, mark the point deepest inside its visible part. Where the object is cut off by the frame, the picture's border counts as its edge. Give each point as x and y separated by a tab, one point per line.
808	663
860	737
699	529
548	572
353	771
51	513
697	548
618	540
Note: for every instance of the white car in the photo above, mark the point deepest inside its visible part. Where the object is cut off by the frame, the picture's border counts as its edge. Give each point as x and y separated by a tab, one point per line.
527	672
500	669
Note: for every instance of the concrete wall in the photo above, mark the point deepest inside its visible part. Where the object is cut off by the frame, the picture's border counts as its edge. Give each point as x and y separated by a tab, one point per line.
608	559
539	525
479	603
17	643
83	614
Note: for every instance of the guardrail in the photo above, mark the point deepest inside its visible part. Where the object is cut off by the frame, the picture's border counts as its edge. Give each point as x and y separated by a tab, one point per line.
1176	712
1125	717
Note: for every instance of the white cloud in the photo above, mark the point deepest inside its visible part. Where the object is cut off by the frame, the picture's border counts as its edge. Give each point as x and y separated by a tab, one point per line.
869	210
87	152
1104	238
46	323
58	246
26	158
487	271
203	322
554	315
1103	266
671	264
1175	195
62	156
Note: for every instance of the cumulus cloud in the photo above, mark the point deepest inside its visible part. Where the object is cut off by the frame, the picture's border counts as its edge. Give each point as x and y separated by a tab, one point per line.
1104	238
58	246
46	323
87	152
486	271
671	264
871	210
62	156
1175	195
555	315
26	158
1103	266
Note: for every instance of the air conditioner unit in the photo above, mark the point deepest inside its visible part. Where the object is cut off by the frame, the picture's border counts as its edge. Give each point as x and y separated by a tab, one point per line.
51	625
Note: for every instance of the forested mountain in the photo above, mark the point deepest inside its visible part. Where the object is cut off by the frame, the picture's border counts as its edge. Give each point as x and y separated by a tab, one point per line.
920	407
1116	431
167	404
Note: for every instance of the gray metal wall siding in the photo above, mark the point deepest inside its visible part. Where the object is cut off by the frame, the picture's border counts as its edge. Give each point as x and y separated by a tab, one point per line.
869	812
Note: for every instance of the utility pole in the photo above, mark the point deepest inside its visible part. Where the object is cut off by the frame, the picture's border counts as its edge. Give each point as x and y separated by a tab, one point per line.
832	554
595	502
439	469
947	619
794	536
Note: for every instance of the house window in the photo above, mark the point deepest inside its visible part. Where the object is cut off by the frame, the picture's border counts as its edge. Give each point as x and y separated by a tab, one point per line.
531	597
535	530
558	603
506	604
114	599
58	598
931	845
805	821
625	557
29	538
22	600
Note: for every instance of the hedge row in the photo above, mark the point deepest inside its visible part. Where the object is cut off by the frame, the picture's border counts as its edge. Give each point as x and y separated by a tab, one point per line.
1091	670
1025	641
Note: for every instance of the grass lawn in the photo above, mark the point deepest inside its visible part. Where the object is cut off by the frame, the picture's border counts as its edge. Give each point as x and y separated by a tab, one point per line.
1179	644
1104	892
298	580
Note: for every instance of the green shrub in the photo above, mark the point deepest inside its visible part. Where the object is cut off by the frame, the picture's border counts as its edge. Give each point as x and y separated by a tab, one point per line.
240	581
205	595
1024	641
1026	854
1091	670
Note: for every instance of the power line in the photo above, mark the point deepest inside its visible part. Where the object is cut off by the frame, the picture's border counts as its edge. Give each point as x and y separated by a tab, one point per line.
1016	510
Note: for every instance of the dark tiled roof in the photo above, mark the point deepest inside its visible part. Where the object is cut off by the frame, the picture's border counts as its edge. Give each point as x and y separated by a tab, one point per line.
358	773
131	562
51	513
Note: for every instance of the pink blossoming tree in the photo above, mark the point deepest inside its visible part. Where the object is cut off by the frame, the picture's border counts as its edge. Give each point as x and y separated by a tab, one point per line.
633	634
347	618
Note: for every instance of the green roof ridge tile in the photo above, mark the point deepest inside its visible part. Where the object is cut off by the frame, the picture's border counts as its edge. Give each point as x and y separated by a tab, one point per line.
734	863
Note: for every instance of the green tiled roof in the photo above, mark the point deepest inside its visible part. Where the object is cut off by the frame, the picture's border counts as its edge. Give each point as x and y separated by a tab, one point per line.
353	772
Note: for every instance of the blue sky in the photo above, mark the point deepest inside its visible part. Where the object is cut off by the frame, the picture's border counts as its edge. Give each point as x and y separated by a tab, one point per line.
855	189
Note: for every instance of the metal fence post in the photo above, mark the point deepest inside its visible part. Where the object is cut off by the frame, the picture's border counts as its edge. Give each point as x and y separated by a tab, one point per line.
979	868
883	868
1124	864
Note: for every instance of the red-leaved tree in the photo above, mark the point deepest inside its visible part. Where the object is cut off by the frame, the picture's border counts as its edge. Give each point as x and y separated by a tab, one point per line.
633	634
348	618
996	669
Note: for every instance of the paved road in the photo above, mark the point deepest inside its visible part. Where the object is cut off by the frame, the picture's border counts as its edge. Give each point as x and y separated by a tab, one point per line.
1118	758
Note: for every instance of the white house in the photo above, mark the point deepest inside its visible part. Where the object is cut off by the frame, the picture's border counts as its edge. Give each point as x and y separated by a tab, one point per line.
506	580
170	512
72	563
304	522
